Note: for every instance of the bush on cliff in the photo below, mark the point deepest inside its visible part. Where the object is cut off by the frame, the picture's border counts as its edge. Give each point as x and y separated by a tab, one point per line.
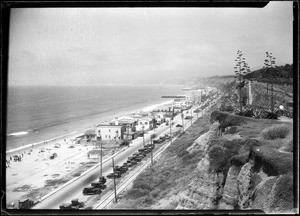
225	119
274	132
271	161
224	153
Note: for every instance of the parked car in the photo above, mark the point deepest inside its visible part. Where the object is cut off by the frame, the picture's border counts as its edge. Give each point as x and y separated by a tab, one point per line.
167	136
158	141
25	203
91	190
188	117
98	185
102	180
114	175
150	146
178	125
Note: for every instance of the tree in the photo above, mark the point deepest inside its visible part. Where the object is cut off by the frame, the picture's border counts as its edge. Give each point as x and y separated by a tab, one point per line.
241	69
269	64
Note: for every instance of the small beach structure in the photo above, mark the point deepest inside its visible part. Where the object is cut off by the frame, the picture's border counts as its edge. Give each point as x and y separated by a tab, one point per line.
90	134
94	153
106	131
53	156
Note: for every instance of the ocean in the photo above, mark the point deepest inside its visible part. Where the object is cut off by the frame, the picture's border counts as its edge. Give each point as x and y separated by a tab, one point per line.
38	113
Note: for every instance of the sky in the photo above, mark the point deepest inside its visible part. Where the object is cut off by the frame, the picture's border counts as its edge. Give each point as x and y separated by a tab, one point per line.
100	46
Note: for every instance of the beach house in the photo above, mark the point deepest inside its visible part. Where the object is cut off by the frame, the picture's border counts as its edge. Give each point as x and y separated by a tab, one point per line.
106	131
159	117
144	124
129	124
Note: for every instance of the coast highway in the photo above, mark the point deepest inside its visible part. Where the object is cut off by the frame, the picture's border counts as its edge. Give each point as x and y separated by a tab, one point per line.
74	189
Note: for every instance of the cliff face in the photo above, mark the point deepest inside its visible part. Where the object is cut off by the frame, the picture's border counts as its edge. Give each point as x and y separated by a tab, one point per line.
264	181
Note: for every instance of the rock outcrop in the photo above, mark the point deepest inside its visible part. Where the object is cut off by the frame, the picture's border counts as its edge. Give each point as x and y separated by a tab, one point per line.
230	192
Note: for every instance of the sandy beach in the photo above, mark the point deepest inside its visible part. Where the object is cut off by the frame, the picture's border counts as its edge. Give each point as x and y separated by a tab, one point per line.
36	174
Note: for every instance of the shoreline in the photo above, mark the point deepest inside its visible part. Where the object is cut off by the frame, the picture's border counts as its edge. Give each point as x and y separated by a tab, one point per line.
79	132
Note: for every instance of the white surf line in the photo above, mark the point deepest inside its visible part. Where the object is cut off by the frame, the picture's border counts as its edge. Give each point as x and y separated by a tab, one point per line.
43	142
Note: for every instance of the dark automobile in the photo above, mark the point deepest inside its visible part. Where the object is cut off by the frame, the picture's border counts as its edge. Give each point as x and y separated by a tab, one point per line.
147	150
135	159
128	164
120	169
150	146
162	138
66	206
140	154
98	185
131	161
102	180
178	125
188	117
75	205
158	141
167	136
114	175
91	190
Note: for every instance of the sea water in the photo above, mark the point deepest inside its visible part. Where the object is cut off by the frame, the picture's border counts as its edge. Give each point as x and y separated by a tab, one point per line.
38	113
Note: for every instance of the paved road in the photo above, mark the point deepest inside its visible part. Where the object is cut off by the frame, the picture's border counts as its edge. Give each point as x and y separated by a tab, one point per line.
74	190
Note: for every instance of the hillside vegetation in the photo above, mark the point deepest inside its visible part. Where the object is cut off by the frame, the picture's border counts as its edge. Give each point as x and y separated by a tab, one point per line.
222	162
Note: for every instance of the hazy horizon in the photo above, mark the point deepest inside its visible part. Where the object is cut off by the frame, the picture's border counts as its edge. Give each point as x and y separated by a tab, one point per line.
142	46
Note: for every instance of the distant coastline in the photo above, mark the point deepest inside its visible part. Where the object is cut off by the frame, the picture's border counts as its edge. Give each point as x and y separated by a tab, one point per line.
19	138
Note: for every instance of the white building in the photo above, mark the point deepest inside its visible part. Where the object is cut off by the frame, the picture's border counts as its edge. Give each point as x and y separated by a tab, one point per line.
144	122
109	132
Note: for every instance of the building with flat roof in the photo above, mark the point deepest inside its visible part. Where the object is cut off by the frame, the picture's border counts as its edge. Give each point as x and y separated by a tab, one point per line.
109	131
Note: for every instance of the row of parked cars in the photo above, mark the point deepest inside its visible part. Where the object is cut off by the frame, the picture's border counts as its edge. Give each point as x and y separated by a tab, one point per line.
131	161
96	187
161	139
100	185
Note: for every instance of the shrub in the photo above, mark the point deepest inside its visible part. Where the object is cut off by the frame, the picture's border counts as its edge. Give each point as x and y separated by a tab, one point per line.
232	130
218	158
274	132
272	161
225	119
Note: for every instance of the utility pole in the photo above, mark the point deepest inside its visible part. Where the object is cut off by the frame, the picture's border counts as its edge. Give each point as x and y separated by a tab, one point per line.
151	150
101	159
171	130
182	121
143	136
191	116
113	165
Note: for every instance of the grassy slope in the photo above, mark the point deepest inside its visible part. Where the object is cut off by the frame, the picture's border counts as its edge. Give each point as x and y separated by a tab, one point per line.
172	173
